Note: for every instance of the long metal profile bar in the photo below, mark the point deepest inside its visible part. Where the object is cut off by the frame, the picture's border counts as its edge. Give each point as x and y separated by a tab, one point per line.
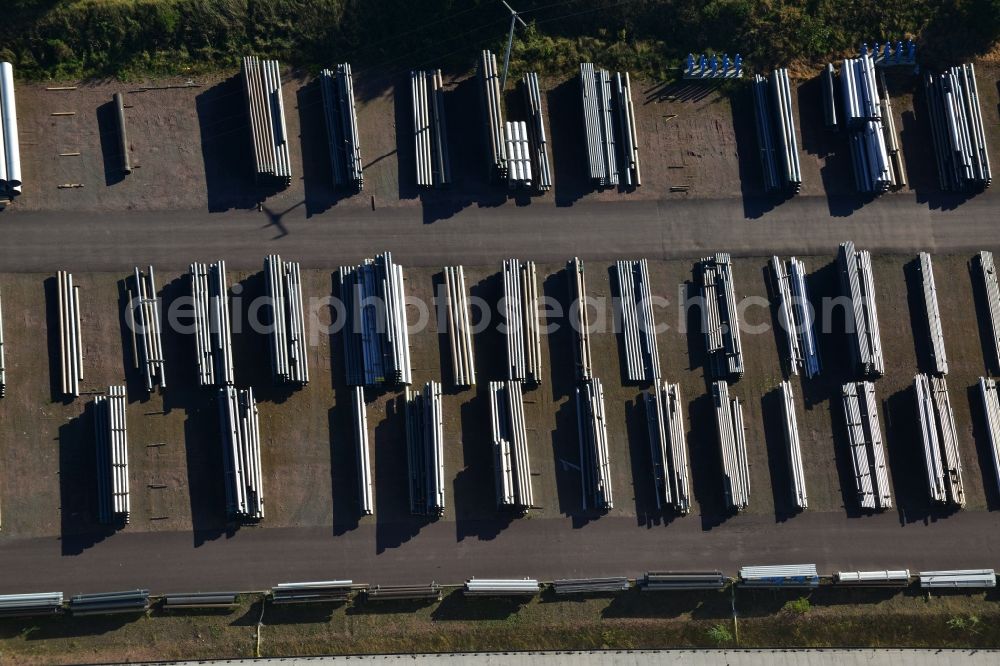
938	354
732	444
3	361
361	449
793	447
579	319
595	464
463	362
991	410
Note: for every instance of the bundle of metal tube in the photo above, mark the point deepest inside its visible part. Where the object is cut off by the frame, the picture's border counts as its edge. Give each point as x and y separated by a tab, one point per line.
642	356
502	587
590	585
510	446
858	284
70	342
425	449
266	113
720	317
212	326
776	136
829	97
988	273
892	146
665	422
940	440
957	128
733	447
195	600
326	591
241	451
430	592
337	88
520	309
655	581
3	363
376	340
542	166
795	315
463	358
131	601
123	151
862	110
958	578
595	464
864	435
147	328
794	449
289	355
609	123
781	575
24	605
883	578
10	147
361	451
111	446
429	129
938	355
518	152
579	318
630	172
492	105
991	408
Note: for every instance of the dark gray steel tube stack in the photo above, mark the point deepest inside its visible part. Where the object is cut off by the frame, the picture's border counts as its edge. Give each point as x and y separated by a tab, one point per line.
720	318
70	342
429	129
595	463
289	354
111	446
132	601
668	447
776	135
957	127
213	331
829	97
536	132
266	113
148	328
337	88
795	315
425	450
241	451
863	119
579	319
123	151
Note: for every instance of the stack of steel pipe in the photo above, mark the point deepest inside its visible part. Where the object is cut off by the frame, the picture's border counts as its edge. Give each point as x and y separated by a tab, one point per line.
988	273
883	578
213	332
991	408
463	358
327	591
123	151
629	142
642	356
595	464
864	435
776	136
430	592
782	575
892	146
520	309
25	605
266	112
957	128
199	600
510	446
795	315
959	578
829	97
536	133
10	148
241	450
492	104
720	320
501	587
111	446
148	328
425	450
3	363
518	151
665	422
733	447
337	88
361	451
793	447
656	581
858	284
940	440
863	119
105	603
70	342
938	355
289	356
579	319
429	128
595	95
376	340
590	585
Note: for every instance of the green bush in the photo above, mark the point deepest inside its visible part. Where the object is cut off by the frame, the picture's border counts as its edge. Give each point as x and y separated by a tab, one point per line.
798	606
719	634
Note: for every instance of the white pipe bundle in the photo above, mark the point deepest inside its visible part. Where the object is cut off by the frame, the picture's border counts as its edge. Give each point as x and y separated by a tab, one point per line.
241	450
642	356
289	354
536	132
337	89
520	309
595	463
111	445
579	318
266	113
425	449
510	446
213	329
3	363
793	447
70	342
430	129
10	148
518	155
720	317
940	440
148	329
362	454
665	422
463	360
864	436
858	283
733	447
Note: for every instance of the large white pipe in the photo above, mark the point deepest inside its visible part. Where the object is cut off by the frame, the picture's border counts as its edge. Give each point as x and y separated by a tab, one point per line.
10	125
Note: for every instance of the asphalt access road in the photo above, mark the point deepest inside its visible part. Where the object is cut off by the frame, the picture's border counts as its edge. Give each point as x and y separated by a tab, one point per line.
446	552
117	241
